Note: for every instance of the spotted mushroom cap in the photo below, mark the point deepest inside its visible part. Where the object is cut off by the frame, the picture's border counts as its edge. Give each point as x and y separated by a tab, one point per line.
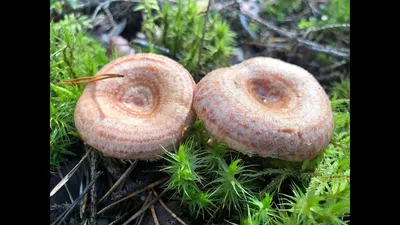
131	117
267	107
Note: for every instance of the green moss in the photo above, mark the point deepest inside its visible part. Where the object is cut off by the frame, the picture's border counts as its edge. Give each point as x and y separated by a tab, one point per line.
325	198
319	191
280	9
179	28
337	12
73	54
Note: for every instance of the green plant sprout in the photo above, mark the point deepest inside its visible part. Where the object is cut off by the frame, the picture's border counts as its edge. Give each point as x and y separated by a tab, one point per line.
233	185
260	211
185	180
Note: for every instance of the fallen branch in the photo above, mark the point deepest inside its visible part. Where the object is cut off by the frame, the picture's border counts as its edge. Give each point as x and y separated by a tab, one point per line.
293	35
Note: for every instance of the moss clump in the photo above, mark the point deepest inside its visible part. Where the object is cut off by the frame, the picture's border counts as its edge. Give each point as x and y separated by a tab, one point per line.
179	28
73	54
212	178
338	11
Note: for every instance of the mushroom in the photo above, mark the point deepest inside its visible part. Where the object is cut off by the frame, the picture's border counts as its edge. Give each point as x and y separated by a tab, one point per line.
120	45
267	107
131	117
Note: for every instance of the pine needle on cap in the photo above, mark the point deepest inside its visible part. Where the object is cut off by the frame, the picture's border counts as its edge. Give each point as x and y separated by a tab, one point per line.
85	80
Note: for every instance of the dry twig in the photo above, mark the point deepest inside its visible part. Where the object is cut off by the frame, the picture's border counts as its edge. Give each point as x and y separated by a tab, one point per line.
293	35
134	194
168	210
334	66
213	216
101	5
327	27
145	202
149	196
69	175
110	17
145	207
93	194
62	217
196	75
119	181
153	213
66	186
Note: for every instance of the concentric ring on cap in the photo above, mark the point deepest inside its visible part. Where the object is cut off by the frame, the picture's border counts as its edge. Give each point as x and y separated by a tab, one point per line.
131	117
267	107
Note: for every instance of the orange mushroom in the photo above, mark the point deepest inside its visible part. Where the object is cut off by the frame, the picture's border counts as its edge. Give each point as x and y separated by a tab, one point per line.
267	107
131	117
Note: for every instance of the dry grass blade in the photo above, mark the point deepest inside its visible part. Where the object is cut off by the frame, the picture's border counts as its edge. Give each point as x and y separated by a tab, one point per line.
63	215
85	80
93	193
134	194
81	211
213	216
168	210
69	175
153	213
276	183
145	207
119	181
58	51
66	186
